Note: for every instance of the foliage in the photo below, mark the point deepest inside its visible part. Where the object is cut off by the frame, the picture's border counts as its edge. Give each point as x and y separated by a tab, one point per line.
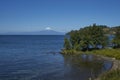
116	40
67	44
90	37
74	39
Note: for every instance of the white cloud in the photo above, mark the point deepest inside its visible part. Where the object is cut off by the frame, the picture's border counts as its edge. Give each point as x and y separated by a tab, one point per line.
48	28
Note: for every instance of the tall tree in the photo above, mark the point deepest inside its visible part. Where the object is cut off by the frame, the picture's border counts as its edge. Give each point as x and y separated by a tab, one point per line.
88	37
67	44
116	40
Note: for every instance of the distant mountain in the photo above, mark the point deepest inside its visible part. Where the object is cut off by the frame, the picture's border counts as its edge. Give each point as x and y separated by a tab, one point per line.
43	32
46	32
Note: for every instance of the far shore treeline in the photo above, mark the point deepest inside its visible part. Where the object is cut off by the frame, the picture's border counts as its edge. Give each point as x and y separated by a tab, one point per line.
92	37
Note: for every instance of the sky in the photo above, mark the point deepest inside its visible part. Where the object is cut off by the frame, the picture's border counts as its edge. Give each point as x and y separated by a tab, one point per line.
59	15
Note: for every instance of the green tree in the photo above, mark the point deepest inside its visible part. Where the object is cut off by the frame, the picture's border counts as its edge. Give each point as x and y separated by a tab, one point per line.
116	40
67	44
93	36
87	38
74	39
98	36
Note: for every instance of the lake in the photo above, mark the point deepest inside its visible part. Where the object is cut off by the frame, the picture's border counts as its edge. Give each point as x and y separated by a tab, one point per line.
38	57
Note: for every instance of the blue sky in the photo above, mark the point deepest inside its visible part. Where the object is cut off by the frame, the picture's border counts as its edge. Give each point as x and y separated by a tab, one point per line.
59	15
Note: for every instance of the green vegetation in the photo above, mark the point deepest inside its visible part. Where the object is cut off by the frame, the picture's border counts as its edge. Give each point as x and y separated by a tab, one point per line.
113	53
90	38
67	44
95	39
111	75
116	40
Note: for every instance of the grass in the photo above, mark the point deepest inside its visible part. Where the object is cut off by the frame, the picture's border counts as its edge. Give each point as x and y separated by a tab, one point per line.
70	52
111	75
113	53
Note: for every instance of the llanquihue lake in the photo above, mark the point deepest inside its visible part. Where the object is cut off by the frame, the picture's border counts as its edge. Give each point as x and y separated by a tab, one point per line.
38	58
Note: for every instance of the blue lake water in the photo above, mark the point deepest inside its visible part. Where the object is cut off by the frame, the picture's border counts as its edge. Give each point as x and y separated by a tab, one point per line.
38	58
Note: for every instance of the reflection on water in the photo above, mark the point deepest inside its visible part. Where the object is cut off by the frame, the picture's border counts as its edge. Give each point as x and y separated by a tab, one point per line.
37	58
85	66
54	67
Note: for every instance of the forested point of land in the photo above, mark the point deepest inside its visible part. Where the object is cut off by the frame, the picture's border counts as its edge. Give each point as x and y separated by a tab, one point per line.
93	37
